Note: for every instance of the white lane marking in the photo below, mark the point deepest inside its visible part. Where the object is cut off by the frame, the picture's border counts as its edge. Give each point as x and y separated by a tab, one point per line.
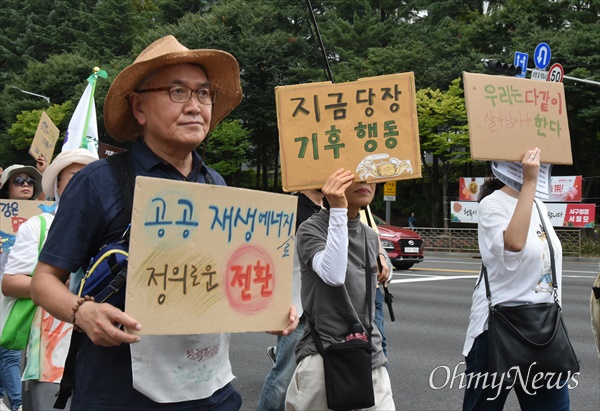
432	278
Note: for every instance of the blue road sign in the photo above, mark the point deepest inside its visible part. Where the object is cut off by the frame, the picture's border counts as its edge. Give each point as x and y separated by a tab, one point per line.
521	61
542	55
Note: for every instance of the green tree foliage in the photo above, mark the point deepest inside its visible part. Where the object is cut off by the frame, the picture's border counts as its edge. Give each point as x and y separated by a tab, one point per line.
24	129
444	142
226	150
50	46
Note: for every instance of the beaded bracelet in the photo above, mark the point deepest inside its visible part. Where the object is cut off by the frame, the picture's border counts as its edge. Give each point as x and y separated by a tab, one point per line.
80	302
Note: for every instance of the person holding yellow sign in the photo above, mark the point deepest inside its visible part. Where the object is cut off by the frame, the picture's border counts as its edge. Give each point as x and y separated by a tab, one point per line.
167	101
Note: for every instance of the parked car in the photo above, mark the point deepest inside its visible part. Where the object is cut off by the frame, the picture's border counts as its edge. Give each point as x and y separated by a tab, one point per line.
404	246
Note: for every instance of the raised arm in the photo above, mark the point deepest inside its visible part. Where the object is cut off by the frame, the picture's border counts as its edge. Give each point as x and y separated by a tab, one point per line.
515	235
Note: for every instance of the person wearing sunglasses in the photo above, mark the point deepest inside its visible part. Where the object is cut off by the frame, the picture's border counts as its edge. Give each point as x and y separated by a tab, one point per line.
49	338
21	182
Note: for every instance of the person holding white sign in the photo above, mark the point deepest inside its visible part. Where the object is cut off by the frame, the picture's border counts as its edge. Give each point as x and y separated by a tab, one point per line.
514	249
167	101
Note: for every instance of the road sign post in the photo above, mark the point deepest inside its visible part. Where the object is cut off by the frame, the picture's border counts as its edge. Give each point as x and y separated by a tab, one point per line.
556	73
540	75
542	56
389	195
521	61
389	191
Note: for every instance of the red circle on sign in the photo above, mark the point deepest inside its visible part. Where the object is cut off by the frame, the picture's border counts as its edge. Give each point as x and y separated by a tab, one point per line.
250	279
556	73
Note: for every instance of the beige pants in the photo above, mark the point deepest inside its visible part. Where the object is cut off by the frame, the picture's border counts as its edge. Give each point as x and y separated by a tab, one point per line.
307	388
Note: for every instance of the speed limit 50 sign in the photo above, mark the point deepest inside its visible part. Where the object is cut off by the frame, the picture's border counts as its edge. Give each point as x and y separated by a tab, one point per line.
556	73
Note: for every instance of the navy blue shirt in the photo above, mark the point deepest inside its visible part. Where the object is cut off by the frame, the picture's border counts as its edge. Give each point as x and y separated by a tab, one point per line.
91	214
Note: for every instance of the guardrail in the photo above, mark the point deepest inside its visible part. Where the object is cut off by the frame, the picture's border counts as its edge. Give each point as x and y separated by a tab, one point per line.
465	240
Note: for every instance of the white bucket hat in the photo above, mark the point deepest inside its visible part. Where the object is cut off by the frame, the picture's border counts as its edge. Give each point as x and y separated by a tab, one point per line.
62	161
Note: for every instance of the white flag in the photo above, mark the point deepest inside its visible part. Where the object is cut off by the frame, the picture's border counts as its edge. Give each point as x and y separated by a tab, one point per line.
83	127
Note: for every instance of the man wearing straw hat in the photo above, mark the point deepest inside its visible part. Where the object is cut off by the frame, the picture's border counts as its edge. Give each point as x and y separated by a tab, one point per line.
168	101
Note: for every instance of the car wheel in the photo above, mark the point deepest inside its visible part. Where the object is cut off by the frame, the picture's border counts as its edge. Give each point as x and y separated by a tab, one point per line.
402	265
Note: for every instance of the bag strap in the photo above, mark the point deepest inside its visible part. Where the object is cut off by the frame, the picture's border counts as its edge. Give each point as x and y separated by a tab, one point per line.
122	167
43	230
488	293
369	295
551	249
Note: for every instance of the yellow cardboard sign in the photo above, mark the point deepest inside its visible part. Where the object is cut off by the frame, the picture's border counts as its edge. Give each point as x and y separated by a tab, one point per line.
209	259
368	126
13	213
508	116
45	138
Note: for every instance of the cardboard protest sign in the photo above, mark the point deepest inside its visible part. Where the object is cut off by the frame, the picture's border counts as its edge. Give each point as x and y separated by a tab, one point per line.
368	126
45	138
209	259
508	116
13	213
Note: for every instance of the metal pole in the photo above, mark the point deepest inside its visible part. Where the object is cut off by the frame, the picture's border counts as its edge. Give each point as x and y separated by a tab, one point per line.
583	80
388	212
321	46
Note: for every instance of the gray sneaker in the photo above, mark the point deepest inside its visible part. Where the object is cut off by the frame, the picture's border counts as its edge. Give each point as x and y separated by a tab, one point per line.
271	353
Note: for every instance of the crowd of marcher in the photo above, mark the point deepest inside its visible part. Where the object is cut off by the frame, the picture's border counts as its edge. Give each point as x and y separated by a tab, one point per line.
167	102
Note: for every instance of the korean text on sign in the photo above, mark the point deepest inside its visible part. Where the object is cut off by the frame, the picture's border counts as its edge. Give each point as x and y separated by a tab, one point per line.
368	126
218	259
508	116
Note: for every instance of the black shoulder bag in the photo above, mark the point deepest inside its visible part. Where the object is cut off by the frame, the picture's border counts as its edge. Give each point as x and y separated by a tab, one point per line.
348	365
530	339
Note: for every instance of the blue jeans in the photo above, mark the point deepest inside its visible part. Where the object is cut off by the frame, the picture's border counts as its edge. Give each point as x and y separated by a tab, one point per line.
479	398
10	371
275	387
379	300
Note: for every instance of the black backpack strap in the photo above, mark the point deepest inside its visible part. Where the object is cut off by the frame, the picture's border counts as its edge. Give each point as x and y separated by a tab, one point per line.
122	167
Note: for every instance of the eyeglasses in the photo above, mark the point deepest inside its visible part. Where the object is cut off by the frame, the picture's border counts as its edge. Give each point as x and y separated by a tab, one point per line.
183	94
19	181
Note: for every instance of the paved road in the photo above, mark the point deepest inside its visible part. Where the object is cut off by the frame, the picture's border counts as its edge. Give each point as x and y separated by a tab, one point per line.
432	303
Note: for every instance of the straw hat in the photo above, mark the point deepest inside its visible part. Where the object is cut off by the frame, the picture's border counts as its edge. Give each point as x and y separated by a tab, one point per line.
62	161
20	168
221	69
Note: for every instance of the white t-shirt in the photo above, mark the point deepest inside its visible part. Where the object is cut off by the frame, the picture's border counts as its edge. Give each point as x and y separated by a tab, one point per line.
515	278
23	256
